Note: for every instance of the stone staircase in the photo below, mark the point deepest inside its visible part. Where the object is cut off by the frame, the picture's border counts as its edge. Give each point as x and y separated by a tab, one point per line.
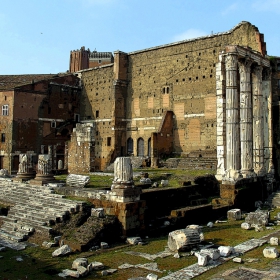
191	163
33	209
274	199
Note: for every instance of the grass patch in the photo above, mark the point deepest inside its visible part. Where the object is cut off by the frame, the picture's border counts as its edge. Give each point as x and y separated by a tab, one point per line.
174	176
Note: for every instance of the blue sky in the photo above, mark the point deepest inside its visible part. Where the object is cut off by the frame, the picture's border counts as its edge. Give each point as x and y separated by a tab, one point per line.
38	35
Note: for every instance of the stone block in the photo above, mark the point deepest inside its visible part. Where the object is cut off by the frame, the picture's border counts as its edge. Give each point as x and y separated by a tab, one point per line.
234	214
214	254
133	240
257	218
245	226
79	262
226	251
270	252
98	212
274	241
202	259
152	276
62	251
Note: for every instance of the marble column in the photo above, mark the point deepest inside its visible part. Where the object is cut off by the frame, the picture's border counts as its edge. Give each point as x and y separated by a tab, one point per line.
246	118
221	130
258	124
268	132
232	120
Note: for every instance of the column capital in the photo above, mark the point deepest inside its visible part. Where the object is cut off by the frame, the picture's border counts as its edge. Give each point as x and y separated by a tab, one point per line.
231	61
244	65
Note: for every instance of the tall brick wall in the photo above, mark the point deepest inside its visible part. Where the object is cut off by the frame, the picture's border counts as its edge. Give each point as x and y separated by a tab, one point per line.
178	77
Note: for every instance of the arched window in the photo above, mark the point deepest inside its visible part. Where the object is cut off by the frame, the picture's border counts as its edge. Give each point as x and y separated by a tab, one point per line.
129	146
140	147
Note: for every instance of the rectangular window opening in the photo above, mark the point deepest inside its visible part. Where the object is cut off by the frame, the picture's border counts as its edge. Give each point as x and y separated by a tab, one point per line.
108	141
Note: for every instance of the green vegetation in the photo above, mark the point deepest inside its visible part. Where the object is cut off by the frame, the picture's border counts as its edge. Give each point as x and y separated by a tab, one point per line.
38	263
176	177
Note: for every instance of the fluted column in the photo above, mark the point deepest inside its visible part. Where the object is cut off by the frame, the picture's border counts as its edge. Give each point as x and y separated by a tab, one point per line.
246	127
221	128
268	133
258	127
232	120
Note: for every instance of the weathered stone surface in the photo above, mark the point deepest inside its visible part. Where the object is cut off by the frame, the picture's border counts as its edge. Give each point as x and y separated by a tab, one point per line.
202	259
274	241
133	240
74	180
164	183
245	226
79	262
152	276
237	260
210	224
71	273
123	173
257	218
125	266
214	254
47	244
145	181
82	270
108	271
183	239
96	265
234	214
225	251
62	251
270	252
104	245
98	212
197	227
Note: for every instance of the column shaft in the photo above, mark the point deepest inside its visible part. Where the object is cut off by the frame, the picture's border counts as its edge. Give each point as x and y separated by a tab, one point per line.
246	127
232	119
258	127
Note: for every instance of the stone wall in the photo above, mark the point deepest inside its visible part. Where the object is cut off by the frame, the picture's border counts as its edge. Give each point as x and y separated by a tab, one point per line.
81	149
144	85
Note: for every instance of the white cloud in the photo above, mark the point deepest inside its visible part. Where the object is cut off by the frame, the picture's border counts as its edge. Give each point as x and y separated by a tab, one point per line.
230	9
189	34
268	6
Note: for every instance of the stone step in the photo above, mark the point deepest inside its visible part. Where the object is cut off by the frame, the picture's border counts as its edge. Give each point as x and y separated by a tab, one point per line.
9	227
8	219
45	202
49	220
6	235
59	214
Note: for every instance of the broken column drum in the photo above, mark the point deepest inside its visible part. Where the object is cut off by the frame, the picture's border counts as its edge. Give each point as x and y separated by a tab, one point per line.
25	168
123	173
44	171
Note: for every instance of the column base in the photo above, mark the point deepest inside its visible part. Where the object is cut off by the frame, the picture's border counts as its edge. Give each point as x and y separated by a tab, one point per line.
41	180
23	177
231	176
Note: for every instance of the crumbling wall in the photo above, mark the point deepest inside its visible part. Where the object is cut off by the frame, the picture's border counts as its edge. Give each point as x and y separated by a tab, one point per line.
81	149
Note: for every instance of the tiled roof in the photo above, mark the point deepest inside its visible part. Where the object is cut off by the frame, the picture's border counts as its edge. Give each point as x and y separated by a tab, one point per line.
9	82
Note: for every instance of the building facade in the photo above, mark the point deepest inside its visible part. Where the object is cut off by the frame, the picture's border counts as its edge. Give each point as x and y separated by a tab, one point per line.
172	100
37	116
